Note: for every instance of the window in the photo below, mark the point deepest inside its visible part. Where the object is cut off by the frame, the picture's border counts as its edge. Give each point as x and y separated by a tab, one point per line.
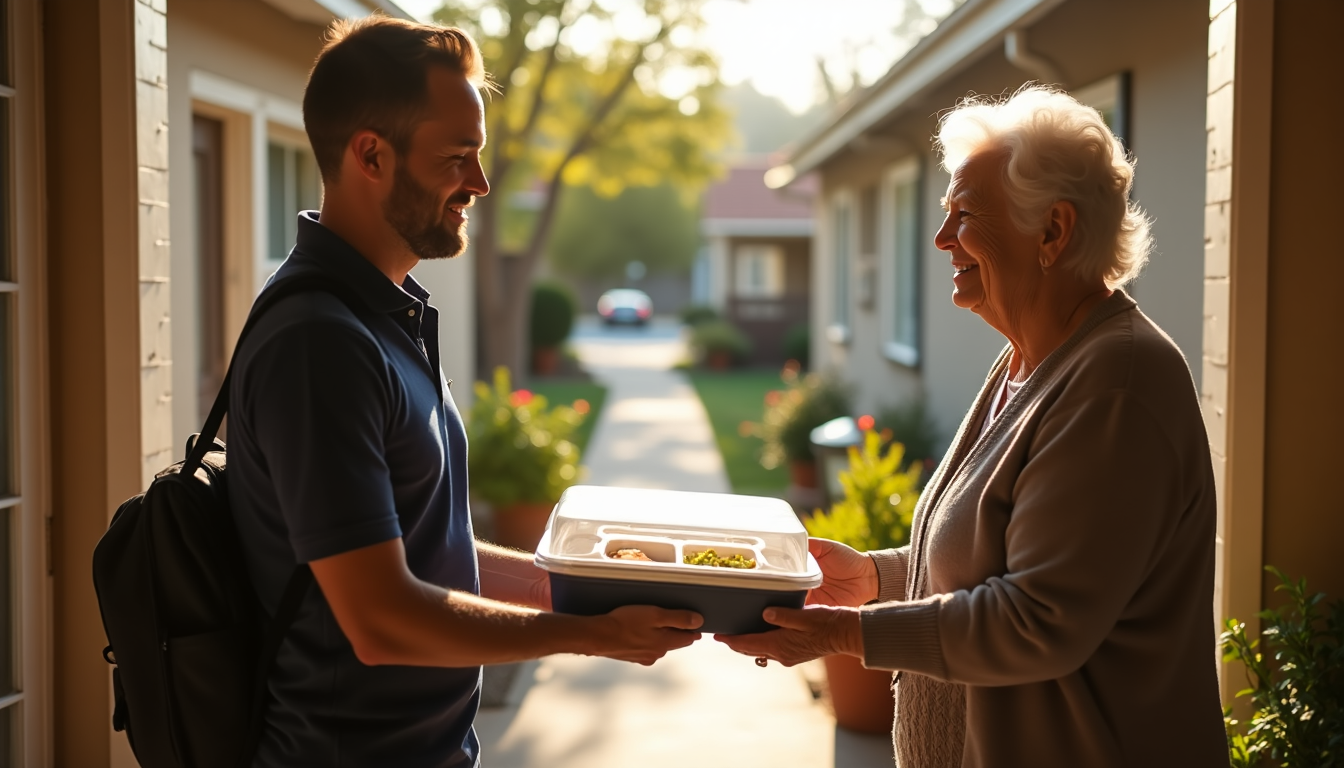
1110	97
842	253
293	185
900	264
759	272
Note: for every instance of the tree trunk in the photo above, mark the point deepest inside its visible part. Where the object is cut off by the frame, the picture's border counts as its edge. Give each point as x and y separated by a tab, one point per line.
501	293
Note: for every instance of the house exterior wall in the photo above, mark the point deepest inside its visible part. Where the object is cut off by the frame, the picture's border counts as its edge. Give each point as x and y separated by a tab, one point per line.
1088	42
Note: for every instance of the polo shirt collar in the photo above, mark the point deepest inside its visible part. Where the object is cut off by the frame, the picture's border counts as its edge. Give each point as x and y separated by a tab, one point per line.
319	249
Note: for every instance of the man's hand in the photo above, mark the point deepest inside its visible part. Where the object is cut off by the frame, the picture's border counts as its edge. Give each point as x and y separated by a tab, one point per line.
803	635
850	576
644	633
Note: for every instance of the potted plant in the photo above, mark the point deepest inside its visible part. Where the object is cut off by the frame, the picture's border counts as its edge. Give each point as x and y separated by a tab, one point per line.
1298	699
805	403
521	458
553	309
719	344
875	513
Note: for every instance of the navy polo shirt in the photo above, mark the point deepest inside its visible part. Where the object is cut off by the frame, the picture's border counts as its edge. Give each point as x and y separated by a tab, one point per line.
342	434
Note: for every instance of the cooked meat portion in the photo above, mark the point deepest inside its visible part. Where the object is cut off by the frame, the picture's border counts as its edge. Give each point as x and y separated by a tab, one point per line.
629	554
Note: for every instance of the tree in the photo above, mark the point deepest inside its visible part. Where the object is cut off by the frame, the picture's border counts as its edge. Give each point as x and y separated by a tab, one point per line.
585	103
597	236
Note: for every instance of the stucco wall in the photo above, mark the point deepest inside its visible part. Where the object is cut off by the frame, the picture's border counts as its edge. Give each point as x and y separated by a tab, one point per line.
1163	46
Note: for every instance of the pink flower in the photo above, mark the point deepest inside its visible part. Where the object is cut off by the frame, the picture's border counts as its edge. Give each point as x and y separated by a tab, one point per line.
772	398
520	398
866	422
582	407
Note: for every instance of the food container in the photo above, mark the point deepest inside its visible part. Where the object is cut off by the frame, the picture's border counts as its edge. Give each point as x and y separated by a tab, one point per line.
590	522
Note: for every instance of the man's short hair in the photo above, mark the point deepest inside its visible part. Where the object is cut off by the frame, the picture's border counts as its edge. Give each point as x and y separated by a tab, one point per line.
372	74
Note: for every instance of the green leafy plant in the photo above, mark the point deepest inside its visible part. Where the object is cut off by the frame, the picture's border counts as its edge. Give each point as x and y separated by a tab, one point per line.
879	500
719	337
520	446
553	310
695	314
1298	702
806	402
798	345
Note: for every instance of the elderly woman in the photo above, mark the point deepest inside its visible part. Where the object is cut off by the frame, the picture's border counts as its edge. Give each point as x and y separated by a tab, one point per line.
1053	607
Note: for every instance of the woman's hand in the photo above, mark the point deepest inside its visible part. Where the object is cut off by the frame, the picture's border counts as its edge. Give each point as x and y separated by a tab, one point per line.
850	576
803	635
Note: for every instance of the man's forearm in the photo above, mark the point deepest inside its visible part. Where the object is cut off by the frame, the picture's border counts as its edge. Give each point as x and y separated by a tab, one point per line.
510	576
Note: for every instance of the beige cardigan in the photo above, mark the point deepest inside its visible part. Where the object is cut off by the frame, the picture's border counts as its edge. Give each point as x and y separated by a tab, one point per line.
1054	606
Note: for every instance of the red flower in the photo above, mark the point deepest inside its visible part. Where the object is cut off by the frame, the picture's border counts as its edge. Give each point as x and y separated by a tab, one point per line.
772	398
582	407
520	398
866	422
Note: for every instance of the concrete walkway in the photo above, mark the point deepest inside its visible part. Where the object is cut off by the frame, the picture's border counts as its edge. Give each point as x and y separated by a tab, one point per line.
703	703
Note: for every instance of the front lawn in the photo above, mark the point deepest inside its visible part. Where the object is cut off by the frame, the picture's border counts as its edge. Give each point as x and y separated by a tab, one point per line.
731	398
569	393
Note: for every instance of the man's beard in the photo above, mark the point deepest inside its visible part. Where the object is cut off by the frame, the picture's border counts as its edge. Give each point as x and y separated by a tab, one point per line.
414	214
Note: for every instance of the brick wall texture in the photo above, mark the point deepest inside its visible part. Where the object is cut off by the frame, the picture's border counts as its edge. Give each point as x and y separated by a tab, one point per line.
151	96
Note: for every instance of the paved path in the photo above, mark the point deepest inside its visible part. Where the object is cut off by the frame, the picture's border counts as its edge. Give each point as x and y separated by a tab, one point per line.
703	703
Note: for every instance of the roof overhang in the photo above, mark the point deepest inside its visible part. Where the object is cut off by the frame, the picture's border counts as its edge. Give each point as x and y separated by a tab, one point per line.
757	227
323	11
963	38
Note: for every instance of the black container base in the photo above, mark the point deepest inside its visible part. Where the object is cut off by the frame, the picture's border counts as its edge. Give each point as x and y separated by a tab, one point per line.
727	610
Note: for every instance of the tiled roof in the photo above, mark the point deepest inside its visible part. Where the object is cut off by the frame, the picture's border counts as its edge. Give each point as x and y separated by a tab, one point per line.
743	195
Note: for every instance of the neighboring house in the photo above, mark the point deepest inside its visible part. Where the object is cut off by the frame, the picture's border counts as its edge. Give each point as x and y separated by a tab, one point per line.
1177	81
756	264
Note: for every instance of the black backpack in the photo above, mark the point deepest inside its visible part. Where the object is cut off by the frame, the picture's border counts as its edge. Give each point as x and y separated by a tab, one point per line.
190	643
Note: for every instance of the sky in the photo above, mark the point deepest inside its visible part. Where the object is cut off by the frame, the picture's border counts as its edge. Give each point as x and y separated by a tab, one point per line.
776	44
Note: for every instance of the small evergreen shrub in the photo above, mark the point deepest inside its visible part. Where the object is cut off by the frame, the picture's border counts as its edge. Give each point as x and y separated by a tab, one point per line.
805	403
520	446
798	345
695	314
553	310
719	336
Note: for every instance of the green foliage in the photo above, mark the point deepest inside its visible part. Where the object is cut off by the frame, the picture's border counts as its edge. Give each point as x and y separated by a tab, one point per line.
805	403
553	310
520	449
879	501
798	345
1299	701
585	397
719	336
910	425
597	236
695	314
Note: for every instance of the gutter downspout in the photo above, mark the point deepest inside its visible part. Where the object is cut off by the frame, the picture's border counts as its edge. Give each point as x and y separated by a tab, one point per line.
1016	51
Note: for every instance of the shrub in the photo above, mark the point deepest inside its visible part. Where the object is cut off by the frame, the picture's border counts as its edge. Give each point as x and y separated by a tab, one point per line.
553	310
719	336
520	447
695	314
798	345
791	414
879	501
1299	702
911	426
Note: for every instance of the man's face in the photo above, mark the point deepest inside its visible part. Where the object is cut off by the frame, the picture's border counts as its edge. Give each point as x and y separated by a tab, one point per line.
440	174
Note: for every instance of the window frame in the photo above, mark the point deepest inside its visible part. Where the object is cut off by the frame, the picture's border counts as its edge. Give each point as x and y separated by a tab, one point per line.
841	233
771	258
900	351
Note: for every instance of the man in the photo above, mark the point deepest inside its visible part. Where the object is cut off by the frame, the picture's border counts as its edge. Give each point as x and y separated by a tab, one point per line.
347	452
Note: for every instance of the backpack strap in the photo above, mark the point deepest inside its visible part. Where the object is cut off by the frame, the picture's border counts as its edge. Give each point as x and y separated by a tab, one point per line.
269	297
299	582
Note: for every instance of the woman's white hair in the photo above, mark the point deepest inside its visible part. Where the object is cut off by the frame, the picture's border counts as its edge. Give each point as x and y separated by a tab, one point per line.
1057	149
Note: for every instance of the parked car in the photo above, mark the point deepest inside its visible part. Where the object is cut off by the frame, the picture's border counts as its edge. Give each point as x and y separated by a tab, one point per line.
625	305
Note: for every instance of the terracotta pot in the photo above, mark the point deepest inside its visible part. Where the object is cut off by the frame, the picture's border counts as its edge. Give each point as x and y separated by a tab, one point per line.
803	473
861	697
520	525
720	360
545	361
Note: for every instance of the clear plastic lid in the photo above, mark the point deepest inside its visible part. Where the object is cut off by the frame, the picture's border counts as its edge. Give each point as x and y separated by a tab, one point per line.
593	529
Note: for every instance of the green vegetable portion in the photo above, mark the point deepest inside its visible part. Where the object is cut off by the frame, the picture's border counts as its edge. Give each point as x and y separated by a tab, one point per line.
711	558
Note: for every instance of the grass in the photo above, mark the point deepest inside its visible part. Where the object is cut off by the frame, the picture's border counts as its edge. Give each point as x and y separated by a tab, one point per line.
567	392
731	398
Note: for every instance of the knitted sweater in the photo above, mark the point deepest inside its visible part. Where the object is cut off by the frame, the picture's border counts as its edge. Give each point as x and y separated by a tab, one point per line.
1054	606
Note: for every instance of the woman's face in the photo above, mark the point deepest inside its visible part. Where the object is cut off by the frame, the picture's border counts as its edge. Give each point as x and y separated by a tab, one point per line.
996	271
